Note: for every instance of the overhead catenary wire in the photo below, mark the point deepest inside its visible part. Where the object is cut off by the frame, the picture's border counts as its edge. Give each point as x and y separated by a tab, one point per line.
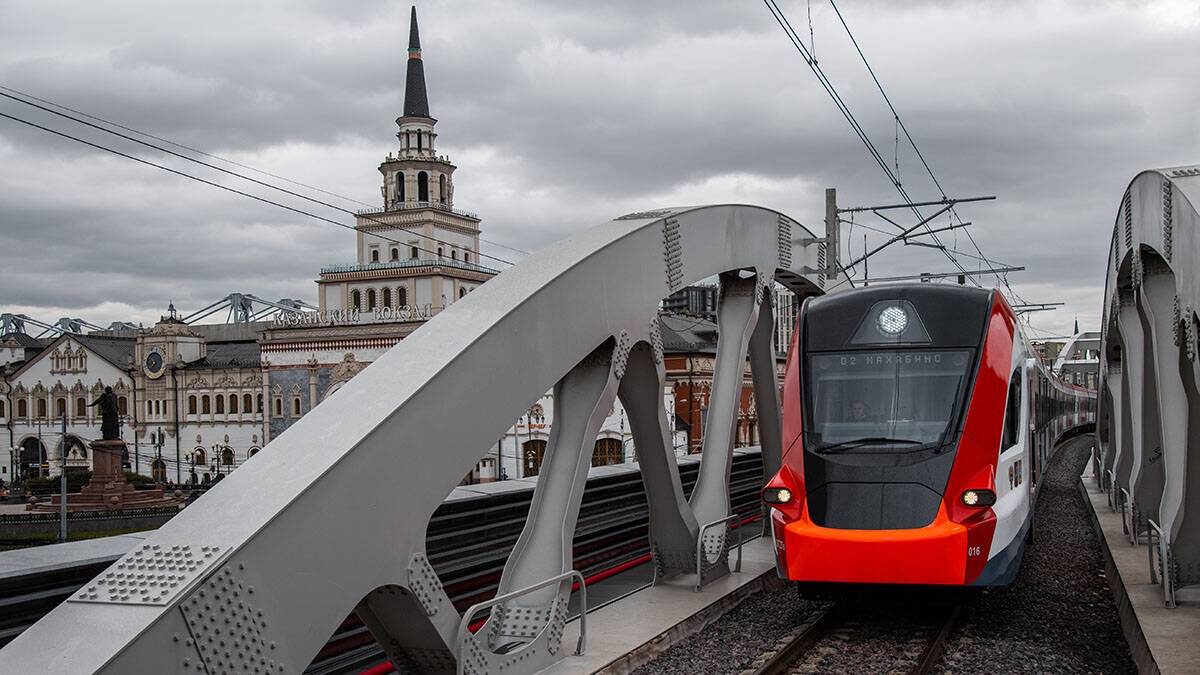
790	32
900	127
335	207
184	174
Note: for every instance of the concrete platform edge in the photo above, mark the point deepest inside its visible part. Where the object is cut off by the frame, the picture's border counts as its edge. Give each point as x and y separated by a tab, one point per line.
1131	627
648	650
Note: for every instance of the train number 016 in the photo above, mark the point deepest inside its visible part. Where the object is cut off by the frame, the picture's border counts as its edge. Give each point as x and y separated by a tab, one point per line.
974	551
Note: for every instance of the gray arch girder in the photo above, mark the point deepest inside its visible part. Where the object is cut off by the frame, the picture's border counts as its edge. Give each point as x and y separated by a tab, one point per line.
330	517
1149	369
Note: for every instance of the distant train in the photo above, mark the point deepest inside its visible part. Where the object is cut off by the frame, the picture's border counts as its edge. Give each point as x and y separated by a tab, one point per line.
917	424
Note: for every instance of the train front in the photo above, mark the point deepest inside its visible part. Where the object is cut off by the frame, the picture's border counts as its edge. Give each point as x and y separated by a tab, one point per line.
891	436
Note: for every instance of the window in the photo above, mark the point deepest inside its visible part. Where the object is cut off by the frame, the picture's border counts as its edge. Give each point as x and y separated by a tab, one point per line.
607	451
295	406
60	407
122	405
220	401
233	403
41	407
370	298
420	142
1012	413
387	298
355	299
205	404
227	456
413	255
532	452
248	403
259	406
400	186
278	404
149	408
910	394
192	404
439	253
442	188
401	296
253	452
374	255
395	253
462	291
199	458
453	254
422	186
466	257
2	409
22	408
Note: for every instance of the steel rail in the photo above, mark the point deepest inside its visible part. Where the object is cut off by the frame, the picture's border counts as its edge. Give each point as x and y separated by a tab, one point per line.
810	633
937	646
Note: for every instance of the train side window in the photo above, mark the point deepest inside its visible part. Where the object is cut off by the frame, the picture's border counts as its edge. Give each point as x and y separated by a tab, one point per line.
1012	413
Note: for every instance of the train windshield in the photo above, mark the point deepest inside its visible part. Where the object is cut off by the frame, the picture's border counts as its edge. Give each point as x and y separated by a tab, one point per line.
892	401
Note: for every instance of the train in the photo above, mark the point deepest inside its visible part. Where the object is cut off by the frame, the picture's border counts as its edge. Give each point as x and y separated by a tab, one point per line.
917	422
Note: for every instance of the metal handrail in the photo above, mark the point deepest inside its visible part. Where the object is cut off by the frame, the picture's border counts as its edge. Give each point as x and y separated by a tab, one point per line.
1112	482
464	630
700	547
1168	583
1126	498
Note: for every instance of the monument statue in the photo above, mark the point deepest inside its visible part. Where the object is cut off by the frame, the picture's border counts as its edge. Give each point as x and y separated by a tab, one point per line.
109	422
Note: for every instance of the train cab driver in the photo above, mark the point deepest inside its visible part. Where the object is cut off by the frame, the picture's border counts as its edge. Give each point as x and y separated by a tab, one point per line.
860	411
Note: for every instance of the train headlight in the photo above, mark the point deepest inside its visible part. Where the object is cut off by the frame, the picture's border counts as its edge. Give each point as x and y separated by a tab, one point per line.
892	320
978	498
777	495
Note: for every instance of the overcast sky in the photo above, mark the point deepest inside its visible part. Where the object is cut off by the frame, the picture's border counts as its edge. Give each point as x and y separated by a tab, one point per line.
563	115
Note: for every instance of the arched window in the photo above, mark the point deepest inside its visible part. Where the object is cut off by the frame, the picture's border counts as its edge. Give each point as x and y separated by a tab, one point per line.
199	457
532	452
60	407
415	253
295	406
420	141
395	253
149	408
607	451
233	403
158	471
278	404
439	253
247	403
400	186
374	255
205	404
462	291
220	400
370	298
227	456
192	404
466	257
422	187
387	297
2	409
41	407
453	254
442	188
22	408
253	452
356	299
401	296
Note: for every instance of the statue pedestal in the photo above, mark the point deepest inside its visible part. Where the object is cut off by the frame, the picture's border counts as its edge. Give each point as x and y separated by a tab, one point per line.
107	490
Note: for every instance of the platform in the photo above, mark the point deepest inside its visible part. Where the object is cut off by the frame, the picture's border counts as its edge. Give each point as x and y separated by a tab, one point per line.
633	630
1160	639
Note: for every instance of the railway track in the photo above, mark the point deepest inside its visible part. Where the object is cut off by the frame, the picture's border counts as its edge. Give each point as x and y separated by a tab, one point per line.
883	641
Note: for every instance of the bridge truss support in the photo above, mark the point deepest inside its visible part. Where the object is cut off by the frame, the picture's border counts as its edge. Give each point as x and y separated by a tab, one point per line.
331	516
1149	422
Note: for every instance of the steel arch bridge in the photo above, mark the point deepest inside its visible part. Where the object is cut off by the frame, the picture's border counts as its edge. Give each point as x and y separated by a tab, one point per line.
1149	421
330	518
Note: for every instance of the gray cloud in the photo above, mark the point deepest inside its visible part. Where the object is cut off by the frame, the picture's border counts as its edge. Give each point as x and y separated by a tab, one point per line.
561	115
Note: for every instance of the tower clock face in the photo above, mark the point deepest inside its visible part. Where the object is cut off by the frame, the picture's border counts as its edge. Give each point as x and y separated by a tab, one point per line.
154	363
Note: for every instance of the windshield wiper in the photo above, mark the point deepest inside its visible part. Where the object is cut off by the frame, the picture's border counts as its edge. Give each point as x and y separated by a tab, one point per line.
859	442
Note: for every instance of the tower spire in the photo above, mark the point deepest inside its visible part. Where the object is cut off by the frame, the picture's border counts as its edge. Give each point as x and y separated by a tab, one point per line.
416	102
